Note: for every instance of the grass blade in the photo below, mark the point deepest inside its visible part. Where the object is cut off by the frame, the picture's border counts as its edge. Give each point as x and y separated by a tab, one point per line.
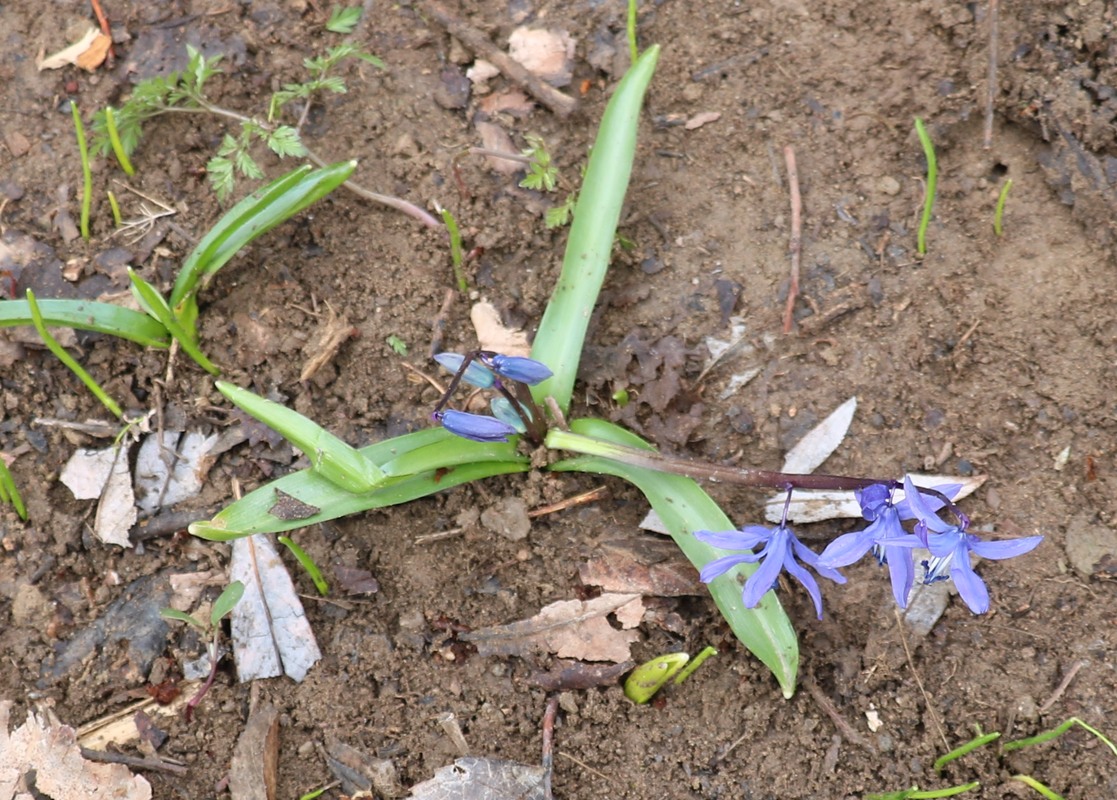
558	344
932	183
86	315
153	302
684	508
86	172
9	492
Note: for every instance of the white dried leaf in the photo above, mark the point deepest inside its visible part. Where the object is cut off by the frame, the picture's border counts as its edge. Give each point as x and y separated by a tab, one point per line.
493	335
817	505
472	778
87	471
271	635
172	468
822	440
73	54
116	513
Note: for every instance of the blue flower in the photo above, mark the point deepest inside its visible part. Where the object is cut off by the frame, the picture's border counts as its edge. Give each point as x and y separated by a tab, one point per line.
780	551
518	368
950	547
884	518
476	374
477	427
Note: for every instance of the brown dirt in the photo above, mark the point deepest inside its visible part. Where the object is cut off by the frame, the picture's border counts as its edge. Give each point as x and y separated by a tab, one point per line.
991	354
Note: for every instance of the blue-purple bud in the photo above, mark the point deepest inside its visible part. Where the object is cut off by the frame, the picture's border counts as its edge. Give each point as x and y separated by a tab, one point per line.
476	374
502	409
477	427
518	368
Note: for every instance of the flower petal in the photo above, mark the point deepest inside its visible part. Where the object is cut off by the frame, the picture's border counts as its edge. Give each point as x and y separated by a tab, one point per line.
1009	548
476	374
970	586
847	548
732	540
719	566
518	368
901	572
764	579
809	583
920	509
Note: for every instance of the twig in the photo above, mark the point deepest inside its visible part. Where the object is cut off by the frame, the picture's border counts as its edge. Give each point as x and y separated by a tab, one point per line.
548	760
156	764
795	248
991	77
844	728
587	767
398	203
103	21
479	43
918	679
439	324
579	499
1062	687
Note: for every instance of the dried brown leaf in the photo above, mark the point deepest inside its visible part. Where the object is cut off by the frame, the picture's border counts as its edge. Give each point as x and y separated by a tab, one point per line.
642	565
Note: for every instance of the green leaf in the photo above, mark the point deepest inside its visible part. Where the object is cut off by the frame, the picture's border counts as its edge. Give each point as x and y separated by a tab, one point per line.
247	166
343	20
685	508
156	305
285	141
225	602
562	331
333	83
254	215
219	170
180	616
86	315
371	59
332	458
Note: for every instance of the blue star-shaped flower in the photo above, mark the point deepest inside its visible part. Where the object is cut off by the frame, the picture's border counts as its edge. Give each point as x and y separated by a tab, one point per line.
781	550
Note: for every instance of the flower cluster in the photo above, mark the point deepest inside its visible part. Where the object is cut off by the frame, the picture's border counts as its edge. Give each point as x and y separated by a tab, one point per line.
513	409
950	546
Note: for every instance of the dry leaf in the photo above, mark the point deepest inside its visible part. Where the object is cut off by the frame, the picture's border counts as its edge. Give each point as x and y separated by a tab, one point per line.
568	675
704	118
116	513
87	471
271	635
492	335
568	628
548	54
328	339
816	446
83	52
255	757
482	779
172	468
497	140
49	753
643	565
119	729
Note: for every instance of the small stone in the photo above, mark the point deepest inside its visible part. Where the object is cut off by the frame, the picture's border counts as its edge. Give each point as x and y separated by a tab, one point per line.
508	518
405	146
889	185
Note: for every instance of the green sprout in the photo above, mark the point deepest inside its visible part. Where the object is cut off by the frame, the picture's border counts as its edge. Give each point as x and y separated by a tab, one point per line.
86	172
398	345
455	248
1032	783
222	607
307	563
117	217
648	678
343	20
914	793
968	747
630	30
1056	732
115	143
9	493
542	174
932	182
999	213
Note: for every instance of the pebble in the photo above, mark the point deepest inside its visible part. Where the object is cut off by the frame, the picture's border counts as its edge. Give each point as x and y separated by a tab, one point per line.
889	185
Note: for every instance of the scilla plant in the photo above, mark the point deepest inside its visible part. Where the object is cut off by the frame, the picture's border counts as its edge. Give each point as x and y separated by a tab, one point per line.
531	401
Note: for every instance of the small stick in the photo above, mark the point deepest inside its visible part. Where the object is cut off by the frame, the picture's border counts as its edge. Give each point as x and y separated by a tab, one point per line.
579	499
449	724
991	77
103	21
796	245
843	727
133	761
1062	687
548	760
439	324
479	43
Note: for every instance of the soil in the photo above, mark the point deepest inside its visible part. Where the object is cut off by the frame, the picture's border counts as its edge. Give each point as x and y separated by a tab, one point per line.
990	354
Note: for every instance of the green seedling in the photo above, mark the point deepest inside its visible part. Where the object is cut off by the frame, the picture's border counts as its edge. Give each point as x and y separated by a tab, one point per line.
648	678
9	493
455	248
256	214
559	216
222	607
1032	783
343	20
337	462
999	213
914	793
1055	733
542	175
85	315
86	171
115	143
60	353
630	30
155	305
117	217
932	183
968	747
307	563
120	130
398	345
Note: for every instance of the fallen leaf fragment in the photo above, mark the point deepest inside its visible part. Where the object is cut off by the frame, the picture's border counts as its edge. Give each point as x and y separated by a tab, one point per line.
575	629
570	675
548	54
45	754
88	52
87	471
642	565
116	513
119	729
471	778
327	340
271	635
495	139
172	467
704	118
256	756
821	441
360	772
492	333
